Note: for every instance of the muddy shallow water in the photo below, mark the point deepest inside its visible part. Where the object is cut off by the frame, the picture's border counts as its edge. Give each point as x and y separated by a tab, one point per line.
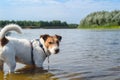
84	55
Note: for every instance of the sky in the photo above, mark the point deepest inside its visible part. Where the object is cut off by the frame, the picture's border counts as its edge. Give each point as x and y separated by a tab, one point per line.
71	11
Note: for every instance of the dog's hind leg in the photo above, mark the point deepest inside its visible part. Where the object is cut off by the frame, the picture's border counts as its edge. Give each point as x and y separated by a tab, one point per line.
11	63
9	58
1	65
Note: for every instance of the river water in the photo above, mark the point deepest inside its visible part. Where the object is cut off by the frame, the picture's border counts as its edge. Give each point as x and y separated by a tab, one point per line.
84	55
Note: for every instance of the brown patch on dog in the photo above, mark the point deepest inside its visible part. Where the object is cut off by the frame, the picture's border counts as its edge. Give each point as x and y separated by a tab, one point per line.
44	36
4	41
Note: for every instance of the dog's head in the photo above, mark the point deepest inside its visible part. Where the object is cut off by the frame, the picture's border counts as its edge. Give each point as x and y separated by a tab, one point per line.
51	43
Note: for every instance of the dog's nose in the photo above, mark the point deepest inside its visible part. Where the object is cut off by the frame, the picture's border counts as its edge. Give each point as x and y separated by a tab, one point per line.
57	50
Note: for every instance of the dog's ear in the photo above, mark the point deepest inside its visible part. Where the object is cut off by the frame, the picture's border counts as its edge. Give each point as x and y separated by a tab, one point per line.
59	37
45	36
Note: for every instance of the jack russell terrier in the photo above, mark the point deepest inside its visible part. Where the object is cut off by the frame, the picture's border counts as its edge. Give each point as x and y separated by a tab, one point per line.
27	52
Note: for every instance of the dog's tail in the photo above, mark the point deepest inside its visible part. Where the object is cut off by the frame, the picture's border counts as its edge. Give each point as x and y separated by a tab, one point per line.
10	27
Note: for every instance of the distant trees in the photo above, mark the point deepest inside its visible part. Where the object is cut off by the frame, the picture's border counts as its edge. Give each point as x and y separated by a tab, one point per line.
73	25
37	24
101	19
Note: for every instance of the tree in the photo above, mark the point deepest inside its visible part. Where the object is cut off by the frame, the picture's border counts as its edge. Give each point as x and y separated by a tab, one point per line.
101	18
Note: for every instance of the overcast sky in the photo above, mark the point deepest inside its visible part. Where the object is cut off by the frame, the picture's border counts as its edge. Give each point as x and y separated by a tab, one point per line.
71	11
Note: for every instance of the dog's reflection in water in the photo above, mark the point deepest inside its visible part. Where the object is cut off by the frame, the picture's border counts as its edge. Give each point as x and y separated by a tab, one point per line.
31	69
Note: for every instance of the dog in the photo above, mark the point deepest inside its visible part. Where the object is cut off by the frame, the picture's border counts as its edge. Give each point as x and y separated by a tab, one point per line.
27	52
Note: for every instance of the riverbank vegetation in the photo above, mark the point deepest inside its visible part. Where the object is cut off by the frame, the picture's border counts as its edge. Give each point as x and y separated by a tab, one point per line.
95	20
39	24
101	20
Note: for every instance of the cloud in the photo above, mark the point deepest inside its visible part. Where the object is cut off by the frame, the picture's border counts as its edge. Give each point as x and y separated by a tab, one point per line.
71	11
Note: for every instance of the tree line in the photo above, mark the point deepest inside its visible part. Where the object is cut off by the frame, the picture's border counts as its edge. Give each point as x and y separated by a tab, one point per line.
101	19
39	24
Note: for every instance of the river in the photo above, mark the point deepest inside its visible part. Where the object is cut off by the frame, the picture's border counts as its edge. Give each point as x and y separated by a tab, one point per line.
84	55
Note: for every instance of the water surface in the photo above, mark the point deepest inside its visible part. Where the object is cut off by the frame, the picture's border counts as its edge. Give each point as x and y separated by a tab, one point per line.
84	55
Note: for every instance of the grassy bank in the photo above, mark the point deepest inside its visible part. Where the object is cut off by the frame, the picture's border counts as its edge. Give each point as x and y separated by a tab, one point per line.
101	27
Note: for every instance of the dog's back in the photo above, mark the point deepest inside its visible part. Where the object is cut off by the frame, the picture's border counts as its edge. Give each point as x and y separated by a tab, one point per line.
21	48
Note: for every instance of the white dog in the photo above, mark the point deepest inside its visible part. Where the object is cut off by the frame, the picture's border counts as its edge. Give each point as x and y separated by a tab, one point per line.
14	50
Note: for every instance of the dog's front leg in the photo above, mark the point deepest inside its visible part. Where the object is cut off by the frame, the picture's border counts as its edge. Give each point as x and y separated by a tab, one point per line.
39	64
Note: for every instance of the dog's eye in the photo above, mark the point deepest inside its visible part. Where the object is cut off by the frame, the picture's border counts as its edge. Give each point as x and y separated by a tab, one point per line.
50	42
57	42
